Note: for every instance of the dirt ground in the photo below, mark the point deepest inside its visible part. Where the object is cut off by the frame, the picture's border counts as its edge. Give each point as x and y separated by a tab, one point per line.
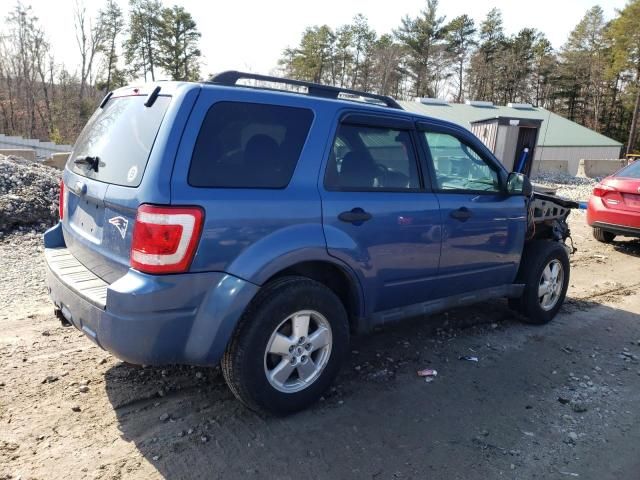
552	402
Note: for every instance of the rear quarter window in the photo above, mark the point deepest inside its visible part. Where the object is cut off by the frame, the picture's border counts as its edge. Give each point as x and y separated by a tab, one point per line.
630	171
248	145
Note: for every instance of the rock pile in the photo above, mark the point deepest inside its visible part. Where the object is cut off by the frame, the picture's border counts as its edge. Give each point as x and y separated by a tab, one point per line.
567	186
28	194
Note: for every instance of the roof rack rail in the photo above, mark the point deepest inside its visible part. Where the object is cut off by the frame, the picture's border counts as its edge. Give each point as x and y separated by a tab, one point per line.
231	77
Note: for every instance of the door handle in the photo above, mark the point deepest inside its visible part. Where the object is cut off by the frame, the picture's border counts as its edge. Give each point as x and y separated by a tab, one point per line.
463	214
355	215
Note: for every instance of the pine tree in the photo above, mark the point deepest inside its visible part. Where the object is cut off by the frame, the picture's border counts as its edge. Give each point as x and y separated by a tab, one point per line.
141	45
460	38
112	25
483	77
625	35
422	38
178	52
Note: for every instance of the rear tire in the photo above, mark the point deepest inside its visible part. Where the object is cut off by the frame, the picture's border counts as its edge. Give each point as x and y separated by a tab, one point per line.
272	364
544	271
602	235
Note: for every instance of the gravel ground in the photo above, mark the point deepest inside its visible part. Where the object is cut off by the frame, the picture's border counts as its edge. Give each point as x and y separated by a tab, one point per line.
22	287
574	188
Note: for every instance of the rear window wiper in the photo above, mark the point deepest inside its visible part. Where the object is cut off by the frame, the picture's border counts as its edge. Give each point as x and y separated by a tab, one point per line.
91	162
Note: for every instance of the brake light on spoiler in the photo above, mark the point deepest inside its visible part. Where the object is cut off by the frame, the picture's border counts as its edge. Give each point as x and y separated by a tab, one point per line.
165	238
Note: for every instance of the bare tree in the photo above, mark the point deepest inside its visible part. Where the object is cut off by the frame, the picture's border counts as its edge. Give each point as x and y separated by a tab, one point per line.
89	37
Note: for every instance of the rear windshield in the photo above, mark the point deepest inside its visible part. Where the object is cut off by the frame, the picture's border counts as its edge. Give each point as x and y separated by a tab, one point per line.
121	136
630	171
249	145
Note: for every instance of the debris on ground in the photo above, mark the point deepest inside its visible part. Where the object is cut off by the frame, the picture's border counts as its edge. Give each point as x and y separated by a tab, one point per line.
468	358
28	194
427	372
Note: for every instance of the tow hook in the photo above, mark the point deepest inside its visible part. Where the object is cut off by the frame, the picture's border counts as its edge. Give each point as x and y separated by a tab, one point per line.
58	313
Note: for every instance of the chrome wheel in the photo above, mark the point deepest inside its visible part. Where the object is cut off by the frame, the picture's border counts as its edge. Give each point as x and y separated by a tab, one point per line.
550	284
298	351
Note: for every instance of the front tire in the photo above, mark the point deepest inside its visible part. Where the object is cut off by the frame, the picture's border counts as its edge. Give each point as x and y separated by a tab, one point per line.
544	271
602	235
288	347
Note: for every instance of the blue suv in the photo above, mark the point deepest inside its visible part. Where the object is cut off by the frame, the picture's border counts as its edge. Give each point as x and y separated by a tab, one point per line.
260	225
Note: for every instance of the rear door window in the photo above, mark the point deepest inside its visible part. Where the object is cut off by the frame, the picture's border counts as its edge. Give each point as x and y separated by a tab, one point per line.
372	158
119	138
248	145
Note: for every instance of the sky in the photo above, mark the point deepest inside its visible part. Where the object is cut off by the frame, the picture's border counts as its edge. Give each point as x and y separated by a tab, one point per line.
250	35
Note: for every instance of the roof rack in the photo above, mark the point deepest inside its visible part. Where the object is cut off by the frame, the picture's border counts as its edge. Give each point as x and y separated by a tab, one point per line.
231	77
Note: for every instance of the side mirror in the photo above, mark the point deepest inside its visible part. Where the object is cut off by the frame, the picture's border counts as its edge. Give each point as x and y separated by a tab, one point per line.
519	184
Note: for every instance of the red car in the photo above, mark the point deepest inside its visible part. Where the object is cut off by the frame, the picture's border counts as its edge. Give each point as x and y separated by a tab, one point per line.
614	207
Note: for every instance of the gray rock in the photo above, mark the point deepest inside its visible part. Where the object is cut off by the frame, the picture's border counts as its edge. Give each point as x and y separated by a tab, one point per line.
578	406
50	379
164	417
83	389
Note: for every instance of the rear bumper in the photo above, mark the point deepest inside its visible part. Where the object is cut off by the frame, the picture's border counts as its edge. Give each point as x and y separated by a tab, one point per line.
620	222
618	229
152	319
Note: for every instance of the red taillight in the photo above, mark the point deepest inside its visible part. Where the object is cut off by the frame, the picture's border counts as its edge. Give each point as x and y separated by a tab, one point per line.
165	238
61	200
600	190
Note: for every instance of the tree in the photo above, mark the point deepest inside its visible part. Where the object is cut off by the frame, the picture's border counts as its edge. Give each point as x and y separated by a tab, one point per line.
583	63
388	77
544	71
363	38
141	45
625	34
422	38
460	39
483	71
514	67
89	37
343	54
24	53
112	25
313	58
178	52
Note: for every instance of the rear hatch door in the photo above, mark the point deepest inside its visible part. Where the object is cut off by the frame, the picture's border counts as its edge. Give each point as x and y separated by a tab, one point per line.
103	178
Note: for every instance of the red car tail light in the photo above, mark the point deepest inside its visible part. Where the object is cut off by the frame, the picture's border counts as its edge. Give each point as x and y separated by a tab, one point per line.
61	200
600	190
165	239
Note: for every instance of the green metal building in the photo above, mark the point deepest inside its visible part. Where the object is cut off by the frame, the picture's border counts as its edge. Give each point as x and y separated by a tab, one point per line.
560	142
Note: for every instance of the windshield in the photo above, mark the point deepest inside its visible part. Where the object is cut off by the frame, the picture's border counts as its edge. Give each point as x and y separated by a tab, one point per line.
115	144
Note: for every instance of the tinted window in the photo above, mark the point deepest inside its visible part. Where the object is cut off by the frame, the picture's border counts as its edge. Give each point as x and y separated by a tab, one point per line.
249	145
630	171
372	158
458	166
121	135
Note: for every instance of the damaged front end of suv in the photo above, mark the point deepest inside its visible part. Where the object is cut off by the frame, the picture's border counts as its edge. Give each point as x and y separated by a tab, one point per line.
547	218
